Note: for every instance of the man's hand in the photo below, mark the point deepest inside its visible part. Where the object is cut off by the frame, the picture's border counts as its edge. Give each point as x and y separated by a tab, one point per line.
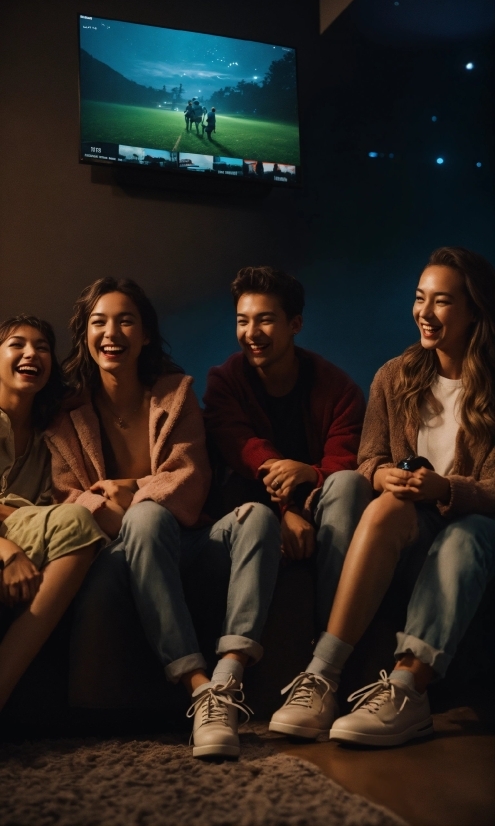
21	580
283	477
298	536
416	486
119	491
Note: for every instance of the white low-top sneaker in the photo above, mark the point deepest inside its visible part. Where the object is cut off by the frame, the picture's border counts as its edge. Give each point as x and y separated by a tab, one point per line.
387	713
215	711
310	708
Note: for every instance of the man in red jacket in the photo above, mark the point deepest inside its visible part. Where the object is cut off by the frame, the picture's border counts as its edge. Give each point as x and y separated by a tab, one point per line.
287	423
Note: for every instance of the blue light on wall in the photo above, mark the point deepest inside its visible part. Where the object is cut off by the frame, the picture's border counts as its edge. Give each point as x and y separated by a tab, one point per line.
439	160
469	66
479	164
373	154
434	118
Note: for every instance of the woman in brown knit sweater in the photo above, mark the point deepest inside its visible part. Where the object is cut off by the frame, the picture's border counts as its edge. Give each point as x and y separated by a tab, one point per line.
437	401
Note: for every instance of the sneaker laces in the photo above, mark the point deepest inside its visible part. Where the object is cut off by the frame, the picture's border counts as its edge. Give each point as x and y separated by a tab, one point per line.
302	687
374	695
215	701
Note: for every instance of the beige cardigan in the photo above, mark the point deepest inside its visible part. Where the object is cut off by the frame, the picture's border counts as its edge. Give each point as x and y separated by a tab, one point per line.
385	441
180	472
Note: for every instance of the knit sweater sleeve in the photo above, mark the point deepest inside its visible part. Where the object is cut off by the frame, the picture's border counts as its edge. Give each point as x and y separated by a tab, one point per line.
181	472
375	450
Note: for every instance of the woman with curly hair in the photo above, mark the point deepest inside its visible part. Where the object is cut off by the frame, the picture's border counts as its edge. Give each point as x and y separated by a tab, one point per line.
428	450
45	549
132	451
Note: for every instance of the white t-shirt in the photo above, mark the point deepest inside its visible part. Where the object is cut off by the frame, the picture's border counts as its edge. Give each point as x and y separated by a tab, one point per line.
437	435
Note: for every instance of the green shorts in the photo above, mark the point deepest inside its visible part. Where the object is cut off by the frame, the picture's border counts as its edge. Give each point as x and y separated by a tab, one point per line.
47	532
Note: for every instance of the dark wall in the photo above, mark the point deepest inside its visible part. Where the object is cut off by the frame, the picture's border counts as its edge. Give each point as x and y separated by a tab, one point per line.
357	234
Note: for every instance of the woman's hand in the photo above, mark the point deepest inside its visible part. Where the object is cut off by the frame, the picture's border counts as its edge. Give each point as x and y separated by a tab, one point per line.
427	485
298	536
20	580
119	491
417	486
284	475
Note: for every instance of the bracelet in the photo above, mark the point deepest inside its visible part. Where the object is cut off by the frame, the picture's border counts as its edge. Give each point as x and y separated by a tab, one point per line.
7	562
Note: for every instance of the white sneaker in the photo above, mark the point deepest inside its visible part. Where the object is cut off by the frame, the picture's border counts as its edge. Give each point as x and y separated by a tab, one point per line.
215	719
387	713
310	708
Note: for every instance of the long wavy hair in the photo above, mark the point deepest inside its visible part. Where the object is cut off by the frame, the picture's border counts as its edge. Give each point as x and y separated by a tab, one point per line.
47	401
80	370
418	366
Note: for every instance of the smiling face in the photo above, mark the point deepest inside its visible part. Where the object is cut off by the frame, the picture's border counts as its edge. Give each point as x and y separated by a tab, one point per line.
264	332
25	362
442	311
115	334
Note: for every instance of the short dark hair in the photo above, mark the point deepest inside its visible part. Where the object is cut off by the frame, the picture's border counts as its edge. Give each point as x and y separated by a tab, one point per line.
270	281
80	370
47	401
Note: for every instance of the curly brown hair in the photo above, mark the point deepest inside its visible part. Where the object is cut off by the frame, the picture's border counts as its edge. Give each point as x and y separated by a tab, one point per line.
80	371
418	367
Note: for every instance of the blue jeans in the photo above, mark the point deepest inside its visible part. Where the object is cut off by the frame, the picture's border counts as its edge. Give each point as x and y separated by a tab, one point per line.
147	558
341	503
459	564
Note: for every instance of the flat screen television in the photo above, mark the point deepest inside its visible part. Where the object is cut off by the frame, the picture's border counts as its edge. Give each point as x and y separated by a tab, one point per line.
188	103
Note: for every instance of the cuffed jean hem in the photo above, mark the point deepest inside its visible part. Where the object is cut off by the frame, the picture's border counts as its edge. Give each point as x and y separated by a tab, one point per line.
438	660
233	642
191	662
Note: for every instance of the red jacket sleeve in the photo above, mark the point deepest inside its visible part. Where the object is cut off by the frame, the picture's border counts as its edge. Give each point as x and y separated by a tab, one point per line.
342	440
230	426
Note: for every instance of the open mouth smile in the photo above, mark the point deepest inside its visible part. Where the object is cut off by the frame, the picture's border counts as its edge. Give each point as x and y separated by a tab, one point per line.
429	330
112	350
257	348
28	370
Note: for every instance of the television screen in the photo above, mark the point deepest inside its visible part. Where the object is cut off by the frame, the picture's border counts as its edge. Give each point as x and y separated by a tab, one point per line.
190	103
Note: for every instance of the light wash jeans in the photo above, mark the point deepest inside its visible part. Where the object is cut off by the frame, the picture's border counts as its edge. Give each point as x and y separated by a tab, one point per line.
449	588
147	557
340	505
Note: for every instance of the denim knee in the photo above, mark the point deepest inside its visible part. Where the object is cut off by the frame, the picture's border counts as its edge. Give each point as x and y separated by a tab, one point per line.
346	488
261	521
148	530
468	545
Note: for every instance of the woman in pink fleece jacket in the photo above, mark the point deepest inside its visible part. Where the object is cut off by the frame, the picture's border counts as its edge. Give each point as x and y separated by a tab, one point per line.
132	450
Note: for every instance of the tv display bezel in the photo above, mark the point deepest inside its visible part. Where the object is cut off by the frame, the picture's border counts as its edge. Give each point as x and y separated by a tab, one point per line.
158	173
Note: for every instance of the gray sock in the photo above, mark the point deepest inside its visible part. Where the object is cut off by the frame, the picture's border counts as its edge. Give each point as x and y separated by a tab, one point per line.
226	668
330	656
400	675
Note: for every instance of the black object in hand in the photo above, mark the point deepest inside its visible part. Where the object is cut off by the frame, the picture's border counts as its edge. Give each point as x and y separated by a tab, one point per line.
413	462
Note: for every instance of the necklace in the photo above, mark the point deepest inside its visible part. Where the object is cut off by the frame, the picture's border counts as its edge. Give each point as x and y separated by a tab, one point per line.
122	423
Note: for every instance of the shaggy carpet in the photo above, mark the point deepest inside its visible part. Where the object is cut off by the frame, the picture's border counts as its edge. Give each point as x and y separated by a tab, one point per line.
156	782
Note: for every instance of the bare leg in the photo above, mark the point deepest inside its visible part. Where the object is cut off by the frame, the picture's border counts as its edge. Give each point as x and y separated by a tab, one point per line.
62	579
422	672
386	527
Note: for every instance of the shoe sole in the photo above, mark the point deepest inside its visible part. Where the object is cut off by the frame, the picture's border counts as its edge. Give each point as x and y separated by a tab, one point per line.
424	729
298	731
216	751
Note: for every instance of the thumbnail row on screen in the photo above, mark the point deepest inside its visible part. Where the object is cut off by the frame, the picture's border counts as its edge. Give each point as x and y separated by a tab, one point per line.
189	162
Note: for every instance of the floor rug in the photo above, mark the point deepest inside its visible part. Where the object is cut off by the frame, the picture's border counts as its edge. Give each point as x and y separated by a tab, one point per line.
156	782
